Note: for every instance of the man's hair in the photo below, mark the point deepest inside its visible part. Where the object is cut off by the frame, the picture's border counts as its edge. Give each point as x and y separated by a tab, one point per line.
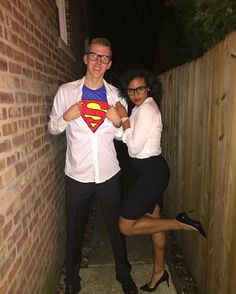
101	41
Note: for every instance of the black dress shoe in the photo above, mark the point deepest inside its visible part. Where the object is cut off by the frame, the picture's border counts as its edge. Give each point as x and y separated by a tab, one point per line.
164	277
128	285
183	218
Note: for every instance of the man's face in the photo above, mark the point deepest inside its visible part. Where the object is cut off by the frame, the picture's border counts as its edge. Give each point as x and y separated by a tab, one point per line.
96	68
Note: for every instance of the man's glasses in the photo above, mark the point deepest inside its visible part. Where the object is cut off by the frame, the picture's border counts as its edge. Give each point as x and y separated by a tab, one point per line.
139	90
103	58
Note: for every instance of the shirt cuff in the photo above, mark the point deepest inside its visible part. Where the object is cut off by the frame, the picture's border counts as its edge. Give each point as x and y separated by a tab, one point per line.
126	134
62	122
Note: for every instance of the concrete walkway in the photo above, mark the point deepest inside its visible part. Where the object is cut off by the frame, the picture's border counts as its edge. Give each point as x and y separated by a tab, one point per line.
99	276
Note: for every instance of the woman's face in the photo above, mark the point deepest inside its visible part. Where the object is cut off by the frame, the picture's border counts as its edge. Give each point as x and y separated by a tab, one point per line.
137	91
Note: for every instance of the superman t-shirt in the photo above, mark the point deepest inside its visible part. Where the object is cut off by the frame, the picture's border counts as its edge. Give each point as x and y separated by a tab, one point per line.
94	106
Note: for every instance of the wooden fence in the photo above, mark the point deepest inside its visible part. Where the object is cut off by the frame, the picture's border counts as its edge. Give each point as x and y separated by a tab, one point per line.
199	143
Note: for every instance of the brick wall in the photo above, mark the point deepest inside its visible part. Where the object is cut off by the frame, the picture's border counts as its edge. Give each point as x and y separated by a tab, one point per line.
31	161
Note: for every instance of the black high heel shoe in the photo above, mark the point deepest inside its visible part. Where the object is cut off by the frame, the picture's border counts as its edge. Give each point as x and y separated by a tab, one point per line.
164	277
183	218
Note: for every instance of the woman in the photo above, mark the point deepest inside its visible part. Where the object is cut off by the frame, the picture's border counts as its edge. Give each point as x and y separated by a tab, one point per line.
142	135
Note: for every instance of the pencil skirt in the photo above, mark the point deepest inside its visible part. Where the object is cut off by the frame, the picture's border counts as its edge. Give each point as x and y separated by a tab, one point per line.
152	178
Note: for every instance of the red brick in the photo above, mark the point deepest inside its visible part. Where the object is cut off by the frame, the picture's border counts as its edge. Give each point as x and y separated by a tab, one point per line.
18	16
37	143
34	121
15	26
6	4
22	241
38	66
38	34
27	190
11	159
32	159
1	31
15	68
6	229
3	288
20	167
23	45
8	129
10	209
23	285
2	220
13	287
8	177
29	136
17	233
11	37
43	119
3	114
33	222
1	15
8	51
2	164
5	146
2	47
39	131
21	97
1	184
29	61
32	18
3	65
18	56
18	140
37	109
23	8
25	35
24	124
27	110
6	98
14	112
15	269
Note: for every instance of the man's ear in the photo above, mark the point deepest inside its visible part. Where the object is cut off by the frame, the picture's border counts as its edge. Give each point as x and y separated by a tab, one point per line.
109	64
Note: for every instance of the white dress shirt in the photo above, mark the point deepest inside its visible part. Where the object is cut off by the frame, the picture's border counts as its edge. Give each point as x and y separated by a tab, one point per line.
143	139
90	156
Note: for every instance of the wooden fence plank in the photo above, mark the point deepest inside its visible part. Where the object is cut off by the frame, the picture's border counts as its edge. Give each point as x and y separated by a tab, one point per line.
199	143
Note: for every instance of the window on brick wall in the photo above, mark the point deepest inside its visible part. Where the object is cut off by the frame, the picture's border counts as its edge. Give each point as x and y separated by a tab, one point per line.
63	43
62	20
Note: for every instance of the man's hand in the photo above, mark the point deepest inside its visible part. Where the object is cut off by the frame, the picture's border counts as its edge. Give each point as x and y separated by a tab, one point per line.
73	112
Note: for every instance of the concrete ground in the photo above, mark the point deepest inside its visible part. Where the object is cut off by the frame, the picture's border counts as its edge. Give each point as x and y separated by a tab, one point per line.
99	276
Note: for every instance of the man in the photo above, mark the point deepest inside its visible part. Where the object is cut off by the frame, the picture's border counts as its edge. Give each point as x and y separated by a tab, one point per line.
81	109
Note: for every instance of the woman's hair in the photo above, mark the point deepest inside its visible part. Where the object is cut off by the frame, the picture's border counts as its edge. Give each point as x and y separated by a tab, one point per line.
153	83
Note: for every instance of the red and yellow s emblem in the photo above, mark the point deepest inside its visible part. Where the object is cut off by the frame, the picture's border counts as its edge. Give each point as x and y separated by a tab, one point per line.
93	113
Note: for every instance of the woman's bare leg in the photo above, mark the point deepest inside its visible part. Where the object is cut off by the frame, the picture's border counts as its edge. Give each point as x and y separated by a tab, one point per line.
147	225
158	247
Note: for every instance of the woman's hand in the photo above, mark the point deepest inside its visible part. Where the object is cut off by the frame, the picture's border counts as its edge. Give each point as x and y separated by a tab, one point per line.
121	110
113	116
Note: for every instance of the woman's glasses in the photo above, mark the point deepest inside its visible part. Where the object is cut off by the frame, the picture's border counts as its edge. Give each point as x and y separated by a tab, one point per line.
103	58
139	90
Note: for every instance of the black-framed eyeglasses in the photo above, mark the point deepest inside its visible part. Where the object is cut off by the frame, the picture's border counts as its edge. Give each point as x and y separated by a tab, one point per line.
139	90
103	58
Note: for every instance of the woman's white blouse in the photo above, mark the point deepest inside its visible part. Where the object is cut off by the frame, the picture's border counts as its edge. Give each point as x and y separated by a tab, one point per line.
143	139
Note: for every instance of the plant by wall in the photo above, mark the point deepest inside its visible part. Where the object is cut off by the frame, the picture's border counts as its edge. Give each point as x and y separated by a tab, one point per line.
200	24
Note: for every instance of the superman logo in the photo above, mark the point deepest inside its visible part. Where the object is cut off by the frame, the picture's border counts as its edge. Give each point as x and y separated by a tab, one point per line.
93	113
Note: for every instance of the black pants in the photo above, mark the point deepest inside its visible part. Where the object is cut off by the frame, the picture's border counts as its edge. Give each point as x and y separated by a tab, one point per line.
79	197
